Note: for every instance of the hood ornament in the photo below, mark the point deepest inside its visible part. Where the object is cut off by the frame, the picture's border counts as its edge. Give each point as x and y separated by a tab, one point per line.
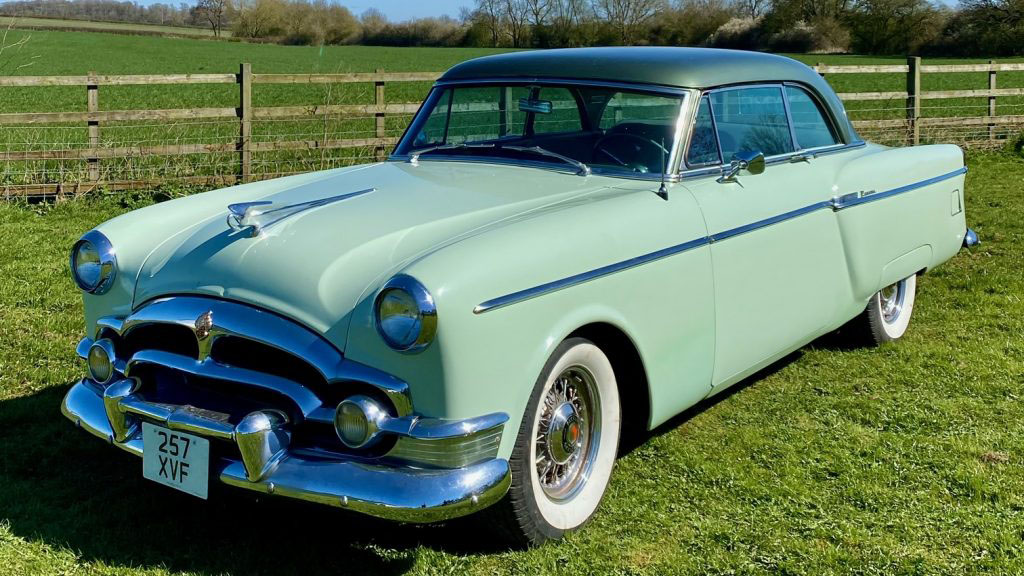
260	215
203	325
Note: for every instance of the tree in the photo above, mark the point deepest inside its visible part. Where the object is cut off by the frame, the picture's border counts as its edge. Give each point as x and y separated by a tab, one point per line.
516	14
214	12
490	14
627	17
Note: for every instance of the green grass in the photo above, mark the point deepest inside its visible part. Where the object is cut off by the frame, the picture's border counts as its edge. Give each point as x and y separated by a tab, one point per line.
116	27
907	459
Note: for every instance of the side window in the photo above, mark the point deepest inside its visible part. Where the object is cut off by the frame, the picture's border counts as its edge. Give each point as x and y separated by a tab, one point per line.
811	126
703	144
751	119
564	116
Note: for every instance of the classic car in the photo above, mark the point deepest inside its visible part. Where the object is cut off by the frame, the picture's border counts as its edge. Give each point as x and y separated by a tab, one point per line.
565	247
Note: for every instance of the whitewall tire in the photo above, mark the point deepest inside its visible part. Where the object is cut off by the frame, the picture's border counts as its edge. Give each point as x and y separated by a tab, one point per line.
565	448
887	315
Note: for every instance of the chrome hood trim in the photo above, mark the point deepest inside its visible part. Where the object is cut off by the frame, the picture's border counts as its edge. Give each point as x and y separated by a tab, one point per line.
260	215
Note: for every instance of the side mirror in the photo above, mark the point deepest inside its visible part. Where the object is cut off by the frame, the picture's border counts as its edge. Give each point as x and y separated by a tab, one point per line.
750	160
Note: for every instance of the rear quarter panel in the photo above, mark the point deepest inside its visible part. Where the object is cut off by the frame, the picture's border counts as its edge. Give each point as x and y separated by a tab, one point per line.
900	212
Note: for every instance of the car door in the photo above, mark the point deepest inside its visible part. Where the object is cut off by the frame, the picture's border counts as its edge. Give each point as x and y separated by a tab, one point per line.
776	252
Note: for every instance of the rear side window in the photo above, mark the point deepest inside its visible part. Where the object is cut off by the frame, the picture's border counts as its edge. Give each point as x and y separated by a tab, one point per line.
812	128
751	119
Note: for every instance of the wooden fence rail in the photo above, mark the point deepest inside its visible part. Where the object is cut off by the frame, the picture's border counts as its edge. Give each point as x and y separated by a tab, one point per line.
246	113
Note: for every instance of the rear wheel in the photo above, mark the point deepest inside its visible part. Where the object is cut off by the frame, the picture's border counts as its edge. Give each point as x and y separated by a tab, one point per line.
887	315
566	446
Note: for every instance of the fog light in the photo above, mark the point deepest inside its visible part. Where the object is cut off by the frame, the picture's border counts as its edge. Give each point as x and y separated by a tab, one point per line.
357	420
101	361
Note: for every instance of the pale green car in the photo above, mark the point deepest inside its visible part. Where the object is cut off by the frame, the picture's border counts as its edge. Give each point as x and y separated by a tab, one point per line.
565	247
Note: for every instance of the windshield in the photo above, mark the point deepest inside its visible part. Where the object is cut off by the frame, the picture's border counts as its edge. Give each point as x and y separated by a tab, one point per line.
607	129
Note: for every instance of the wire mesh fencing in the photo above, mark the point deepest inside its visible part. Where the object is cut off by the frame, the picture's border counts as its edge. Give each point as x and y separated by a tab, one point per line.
141	131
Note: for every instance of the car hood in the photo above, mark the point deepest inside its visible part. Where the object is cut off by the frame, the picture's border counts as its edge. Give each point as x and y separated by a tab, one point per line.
363	224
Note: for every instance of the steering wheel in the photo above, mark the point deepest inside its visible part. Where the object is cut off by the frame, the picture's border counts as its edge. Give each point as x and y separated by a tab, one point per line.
634	145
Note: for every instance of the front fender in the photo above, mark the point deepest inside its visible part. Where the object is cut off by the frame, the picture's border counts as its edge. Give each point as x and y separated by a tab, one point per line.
488	362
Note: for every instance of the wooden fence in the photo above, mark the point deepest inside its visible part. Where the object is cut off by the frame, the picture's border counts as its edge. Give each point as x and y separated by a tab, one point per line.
989	127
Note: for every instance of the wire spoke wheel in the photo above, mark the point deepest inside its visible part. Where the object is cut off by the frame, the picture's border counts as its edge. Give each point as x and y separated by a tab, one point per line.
568	434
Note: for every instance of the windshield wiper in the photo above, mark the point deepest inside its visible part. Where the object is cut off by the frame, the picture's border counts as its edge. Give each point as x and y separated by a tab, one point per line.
582	169
415	155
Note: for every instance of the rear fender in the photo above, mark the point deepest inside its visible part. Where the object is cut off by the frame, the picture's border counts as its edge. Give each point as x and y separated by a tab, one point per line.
897	212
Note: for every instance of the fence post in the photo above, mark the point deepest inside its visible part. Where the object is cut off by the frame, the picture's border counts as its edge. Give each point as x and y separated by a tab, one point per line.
819	67
245	120
913	98
991	100
93	105
378	98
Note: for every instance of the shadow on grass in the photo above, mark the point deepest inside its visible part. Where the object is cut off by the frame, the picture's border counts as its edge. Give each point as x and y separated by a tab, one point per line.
69	489
628	445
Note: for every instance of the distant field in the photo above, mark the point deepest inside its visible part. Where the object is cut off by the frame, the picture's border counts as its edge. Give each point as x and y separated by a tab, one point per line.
50	52
57	23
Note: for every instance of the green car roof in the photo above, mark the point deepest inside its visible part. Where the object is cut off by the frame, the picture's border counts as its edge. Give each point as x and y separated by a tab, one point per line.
659	65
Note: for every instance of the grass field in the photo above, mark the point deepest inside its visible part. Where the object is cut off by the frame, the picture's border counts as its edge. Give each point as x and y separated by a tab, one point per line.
908	459
115	27
76	53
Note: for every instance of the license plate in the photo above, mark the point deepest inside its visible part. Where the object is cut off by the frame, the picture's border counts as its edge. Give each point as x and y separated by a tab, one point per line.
176	459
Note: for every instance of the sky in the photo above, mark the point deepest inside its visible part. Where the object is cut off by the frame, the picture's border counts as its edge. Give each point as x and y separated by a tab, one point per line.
398	10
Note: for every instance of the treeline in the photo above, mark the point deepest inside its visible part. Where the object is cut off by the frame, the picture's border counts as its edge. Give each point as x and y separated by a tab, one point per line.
972	28
181	14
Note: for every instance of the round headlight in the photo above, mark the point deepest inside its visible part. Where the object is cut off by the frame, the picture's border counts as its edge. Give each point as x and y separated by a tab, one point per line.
93	263
405	314
357	420
101	361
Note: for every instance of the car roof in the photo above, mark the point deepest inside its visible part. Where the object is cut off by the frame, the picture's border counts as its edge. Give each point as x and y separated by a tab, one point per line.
678	67
661	65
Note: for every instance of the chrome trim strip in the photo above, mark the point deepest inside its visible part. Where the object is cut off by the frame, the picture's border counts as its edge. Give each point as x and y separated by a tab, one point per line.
769	221
836	204
846	201
556	285
639	87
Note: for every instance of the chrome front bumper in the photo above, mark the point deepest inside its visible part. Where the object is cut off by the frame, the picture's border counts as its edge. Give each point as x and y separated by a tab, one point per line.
267	465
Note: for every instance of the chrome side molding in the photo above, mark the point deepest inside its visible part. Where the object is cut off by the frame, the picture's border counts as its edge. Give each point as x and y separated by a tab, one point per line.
837	203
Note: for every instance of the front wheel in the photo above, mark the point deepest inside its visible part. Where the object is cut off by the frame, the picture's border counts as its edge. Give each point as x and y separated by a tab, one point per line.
566	446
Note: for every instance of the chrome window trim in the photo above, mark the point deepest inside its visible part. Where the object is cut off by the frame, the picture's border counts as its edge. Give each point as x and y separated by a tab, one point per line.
779	159
840	146
829	116
836	204
789	118
638	87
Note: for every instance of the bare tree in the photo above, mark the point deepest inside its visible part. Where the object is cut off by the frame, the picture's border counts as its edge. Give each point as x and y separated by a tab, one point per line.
538	11
490	13
10	49
516	15
214	12
627	16
753	8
